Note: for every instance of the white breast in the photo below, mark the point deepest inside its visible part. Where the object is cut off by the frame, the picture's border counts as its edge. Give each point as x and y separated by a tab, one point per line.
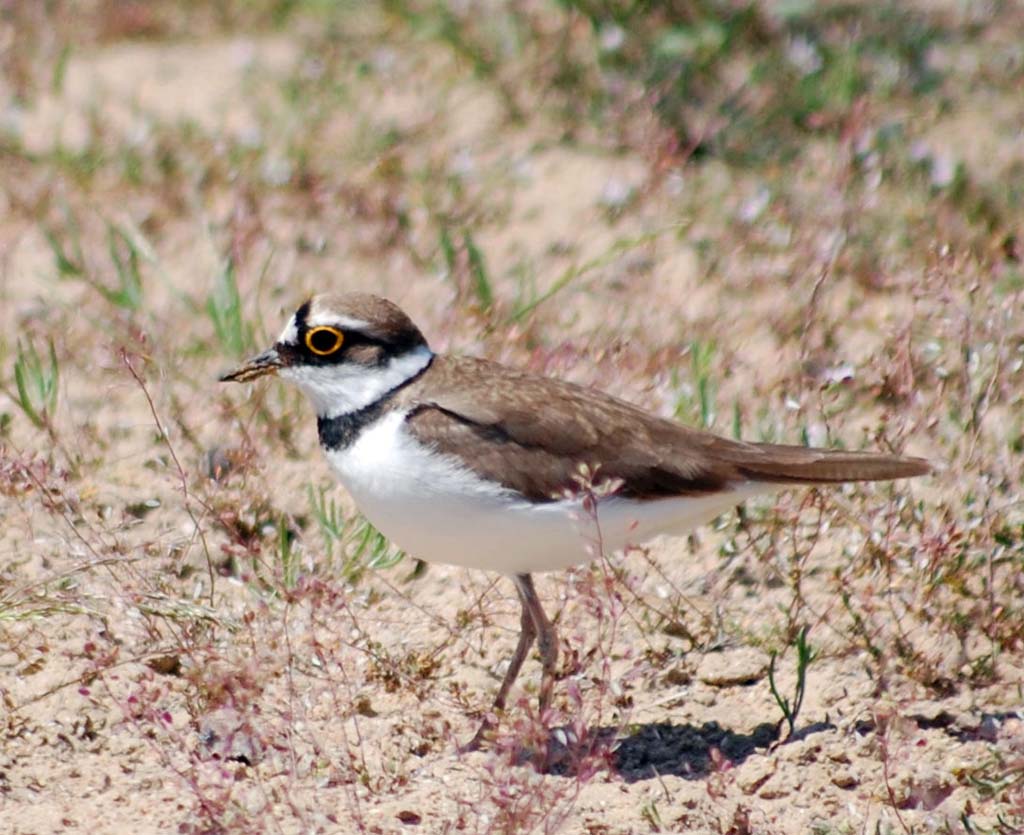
435	509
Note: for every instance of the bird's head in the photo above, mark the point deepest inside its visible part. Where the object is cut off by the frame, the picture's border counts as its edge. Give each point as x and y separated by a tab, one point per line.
344	351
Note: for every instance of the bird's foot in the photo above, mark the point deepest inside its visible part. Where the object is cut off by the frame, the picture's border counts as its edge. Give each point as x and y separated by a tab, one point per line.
482	734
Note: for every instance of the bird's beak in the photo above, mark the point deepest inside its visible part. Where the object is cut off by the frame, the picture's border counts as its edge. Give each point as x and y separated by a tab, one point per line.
266	363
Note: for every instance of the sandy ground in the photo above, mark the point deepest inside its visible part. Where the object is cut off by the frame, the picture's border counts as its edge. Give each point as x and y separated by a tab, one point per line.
163	672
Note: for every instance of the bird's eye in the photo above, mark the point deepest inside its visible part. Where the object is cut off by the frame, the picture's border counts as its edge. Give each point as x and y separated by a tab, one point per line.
324	341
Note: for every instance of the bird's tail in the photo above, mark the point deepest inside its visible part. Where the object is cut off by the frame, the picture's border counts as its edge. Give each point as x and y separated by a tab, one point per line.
804	465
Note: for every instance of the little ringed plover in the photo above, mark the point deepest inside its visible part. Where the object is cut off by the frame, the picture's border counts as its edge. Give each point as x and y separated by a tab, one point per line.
468	462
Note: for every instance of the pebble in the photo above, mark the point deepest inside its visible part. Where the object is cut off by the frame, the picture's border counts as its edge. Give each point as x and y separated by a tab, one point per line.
844	778
732	667
754	773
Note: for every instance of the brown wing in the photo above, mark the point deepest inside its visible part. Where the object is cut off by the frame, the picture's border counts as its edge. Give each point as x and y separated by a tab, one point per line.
532	434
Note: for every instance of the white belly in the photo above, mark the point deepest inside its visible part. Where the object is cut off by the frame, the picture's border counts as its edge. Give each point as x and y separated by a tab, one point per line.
436	510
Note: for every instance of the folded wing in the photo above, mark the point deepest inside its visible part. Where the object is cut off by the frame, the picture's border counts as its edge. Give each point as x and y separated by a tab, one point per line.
532	434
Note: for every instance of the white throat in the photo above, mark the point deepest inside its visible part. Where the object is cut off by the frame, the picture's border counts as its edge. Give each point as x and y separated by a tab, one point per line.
341	389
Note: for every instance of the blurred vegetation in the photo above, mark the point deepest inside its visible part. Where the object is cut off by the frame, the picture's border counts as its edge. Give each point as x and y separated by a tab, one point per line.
819	241
748	83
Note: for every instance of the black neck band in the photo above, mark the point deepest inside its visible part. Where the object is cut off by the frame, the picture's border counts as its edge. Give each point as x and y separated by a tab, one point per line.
340	431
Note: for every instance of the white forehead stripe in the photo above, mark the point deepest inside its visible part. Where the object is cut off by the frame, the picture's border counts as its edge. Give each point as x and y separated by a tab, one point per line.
336	320
290	334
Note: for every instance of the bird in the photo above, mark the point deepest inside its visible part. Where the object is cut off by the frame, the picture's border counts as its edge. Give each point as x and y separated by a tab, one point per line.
464	461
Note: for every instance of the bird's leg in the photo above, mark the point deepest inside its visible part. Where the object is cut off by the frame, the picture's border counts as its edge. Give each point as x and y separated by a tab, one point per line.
527	635
547	636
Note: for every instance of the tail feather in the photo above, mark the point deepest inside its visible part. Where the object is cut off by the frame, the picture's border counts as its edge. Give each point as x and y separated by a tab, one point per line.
802	465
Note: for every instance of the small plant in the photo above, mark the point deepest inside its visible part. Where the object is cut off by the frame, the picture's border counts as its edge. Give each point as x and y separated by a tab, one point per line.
67	254
475	266
124	254
478	272
649	812
361	544
370	549
702	361
529	299
804	656
224	307
328	515
698	398
37	383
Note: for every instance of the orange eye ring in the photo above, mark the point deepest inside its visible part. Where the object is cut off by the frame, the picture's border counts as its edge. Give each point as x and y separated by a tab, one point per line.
324	340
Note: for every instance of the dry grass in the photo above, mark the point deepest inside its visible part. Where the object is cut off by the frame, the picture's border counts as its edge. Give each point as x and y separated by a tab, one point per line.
791	225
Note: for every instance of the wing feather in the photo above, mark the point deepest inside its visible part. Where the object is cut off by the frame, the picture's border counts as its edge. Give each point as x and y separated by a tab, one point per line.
532	434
